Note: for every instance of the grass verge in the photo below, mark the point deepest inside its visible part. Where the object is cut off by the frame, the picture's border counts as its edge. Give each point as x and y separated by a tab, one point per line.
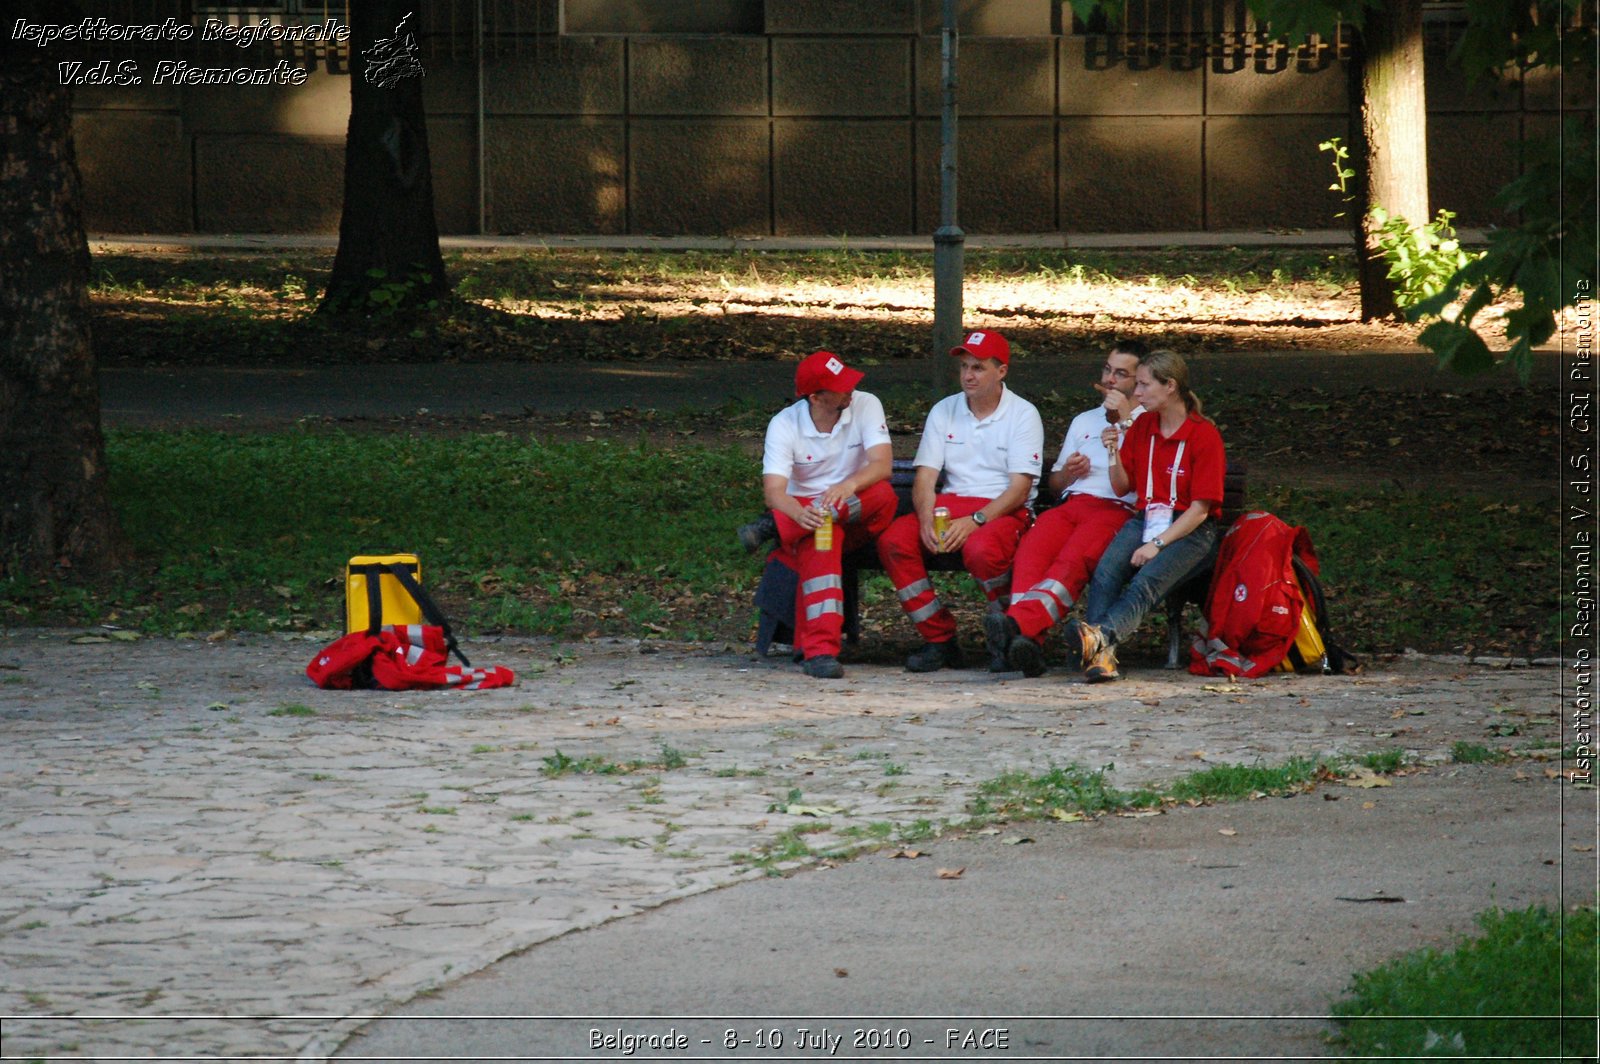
1074	792
251	532
1523	989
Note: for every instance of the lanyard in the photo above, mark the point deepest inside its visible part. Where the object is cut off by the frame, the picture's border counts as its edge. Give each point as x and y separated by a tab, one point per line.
1150	470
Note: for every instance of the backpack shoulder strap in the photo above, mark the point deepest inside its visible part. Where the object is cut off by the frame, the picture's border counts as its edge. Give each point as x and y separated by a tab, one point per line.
430	609
1340	660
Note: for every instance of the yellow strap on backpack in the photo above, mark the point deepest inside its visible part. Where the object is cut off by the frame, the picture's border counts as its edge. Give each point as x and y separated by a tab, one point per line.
1308	647
374	597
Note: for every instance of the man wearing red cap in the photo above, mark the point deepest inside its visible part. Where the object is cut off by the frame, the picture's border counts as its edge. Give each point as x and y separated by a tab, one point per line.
827	459
987	440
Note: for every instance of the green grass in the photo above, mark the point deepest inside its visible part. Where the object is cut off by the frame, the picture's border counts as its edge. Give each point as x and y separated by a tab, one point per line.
1465	753
1384	762
1072	789
513	535
576	538
789	845
1394	568
559	764
1231	783
1483	999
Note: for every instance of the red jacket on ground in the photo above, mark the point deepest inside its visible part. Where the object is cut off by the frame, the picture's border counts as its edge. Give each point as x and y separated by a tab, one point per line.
399	658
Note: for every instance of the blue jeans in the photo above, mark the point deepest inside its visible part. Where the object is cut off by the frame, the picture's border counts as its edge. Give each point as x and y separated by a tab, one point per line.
1121	596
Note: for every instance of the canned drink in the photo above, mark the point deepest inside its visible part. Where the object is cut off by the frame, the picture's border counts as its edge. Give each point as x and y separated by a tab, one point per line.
823	537
941	522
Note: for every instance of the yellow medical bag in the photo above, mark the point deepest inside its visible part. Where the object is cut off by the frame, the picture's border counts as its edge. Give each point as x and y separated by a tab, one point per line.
374	596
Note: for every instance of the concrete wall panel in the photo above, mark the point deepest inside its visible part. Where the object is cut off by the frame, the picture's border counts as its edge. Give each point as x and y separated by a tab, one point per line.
700	176
1470	158
136	176
842	177
1130	174
269	184
841	16
452	88
556	75
1246	92
991	18
1089	87
1267	172
319	108
1006	76
698	76
550	175
838	77
1008	175
453	148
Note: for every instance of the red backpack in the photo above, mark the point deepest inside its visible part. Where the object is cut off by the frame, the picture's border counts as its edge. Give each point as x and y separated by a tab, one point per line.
1253	609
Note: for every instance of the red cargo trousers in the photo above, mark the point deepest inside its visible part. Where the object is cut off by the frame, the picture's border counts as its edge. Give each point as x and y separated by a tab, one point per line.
986	554
819	603
1057	557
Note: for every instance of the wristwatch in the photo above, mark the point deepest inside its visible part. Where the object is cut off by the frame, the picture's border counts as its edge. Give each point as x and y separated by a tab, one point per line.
1159	542
978	518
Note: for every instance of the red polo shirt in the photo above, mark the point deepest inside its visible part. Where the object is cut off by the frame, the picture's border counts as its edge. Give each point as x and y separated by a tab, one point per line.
1200	472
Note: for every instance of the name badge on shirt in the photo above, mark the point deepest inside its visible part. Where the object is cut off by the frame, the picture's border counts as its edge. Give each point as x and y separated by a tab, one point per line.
1157	519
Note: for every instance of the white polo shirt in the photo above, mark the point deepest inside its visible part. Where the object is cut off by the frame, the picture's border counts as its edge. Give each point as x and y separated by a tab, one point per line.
815	461
1084	435
978	457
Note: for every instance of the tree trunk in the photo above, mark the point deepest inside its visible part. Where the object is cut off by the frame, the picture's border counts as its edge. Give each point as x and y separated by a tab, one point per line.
1391	158
54	511
388	254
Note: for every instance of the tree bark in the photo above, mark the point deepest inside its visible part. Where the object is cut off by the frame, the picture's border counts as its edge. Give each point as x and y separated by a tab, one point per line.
388	255
1391	156
54	510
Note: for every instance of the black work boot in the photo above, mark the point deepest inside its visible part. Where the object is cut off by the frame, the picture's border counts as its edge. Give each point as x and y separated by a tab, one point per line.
757	532
1026	655
999	630
823	667
935	656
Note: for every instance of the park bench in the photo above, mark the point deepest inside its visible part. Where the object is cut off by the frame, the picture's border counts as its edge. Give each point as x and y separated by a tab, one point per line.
901	478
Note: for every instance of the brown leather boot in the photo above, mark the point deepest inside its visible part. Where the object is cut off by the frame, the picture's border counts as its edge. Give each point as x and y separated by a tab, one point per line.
1103	665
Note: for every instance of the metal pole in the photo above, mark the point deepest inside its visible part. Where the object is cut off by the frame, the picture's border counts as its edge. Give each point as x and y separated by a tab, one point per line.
483	180
948	240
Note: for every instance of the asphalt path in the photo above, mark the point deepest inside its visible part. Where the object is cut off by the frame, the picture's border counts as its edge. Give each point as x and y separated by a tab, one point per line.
1205	933
251	396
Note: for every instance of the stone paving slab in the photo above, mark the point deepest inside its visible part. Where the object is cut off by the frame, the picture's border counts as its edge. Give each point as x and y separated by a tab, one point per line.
195	840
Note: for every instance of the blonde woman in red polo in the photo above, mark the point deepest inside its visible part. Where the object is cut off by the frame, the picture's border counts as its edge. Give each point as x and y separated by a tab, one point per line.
1174	458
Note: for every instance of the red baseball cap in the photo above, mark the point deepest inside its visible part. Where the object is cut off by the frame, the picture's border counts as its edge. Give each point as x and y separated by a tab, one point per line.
824	372
985	343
